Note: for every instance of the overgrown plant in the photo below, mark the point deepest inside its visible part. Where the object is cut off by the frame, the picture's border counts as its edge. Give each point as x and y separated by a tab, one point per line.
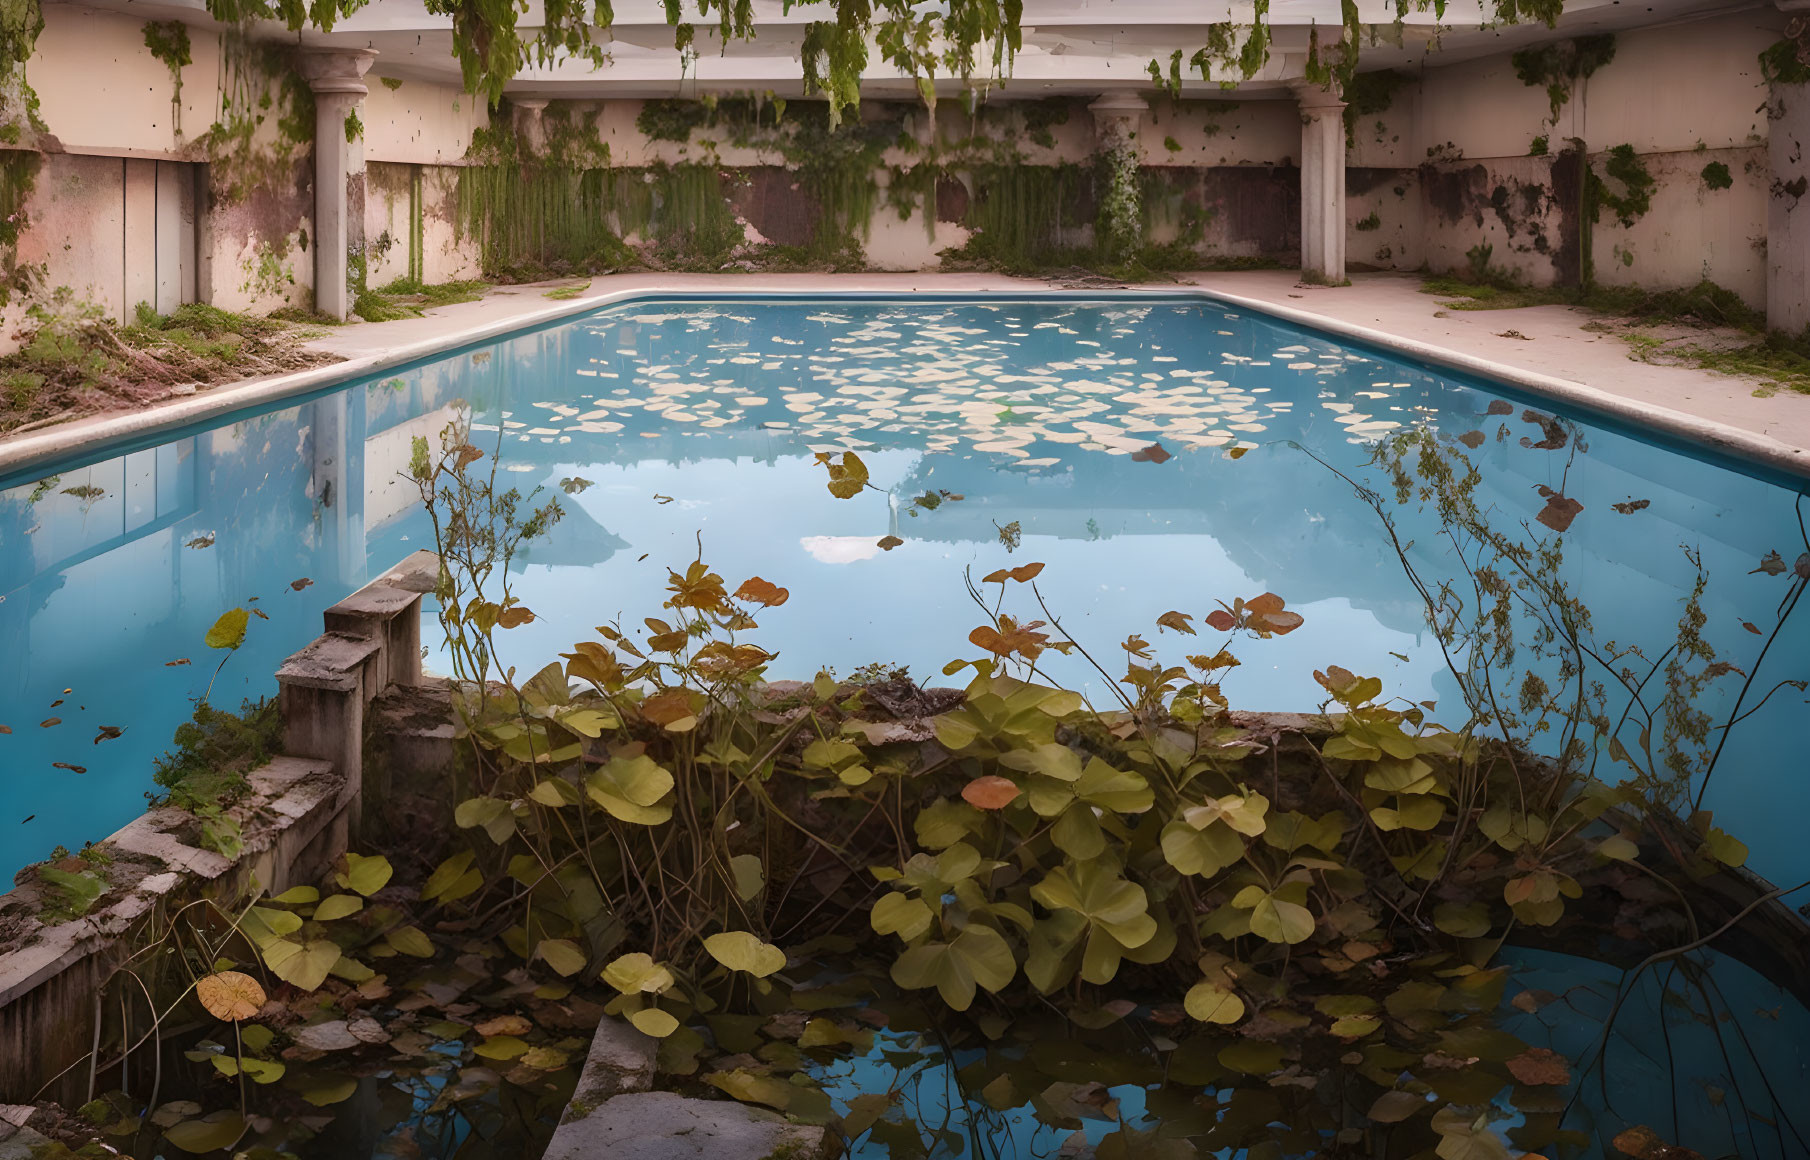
659	814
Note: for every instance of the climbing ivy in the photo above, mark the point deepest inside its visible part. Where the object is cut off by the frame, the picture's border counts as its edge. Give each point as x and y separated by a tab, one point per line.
1368	94
1560	65
266	121
168	41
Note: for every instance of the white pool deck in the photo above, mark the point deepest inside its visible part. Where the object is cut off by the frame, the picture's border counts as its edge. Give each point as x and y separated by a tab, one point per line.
1557	358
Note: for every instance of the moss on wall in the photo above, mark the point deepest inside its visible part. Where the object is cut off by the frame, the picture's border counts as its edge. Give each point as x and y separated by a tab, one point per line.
1560	65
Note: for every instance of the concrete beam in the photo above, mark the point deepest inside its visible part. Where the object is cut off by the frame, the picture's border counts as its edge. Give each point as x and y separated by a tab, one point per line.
1322	183
337	79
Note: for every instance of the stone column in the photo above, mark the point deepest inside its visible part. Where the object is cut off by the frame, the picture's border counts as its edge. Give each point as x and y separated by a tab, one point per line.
1322	184
337	79
528	124
1117	117
1788	208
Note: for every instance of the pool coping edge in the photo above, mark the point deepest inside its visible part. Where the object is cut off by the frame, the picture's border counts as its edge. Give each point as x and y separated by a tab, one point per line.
101	433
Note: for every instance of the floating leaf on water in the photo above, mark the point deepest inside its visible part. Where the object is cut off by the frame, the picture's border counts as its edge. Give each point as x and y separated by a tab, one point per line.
107	733
1640	1142
228	631
888	543
209	1134
1221	620
501	1047
1537	1066
1472	439
758	591
1500	407
1394	1107
575	484
1211	1002
298	585
1176	621
206	541
1632	506
1151	454
230	995
5	729
332	1035
754	1088
1772	565
1750	626
504	1025
1009	534
176	662
50	722
1559	511
325	1090
1237	452
69	767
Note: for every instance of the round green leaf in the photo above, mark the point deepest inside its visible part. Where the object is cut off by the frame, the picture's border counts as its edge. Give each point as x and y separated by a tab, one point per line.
1277	921
653	1021
637	972
741	951
1211	1003
208	1134
228	633
367	875
338	906
562	955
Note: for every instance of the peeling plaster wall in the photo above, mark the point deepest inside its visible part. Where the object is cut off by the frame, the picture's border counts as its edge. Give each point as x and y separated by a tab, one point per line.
1683	96
1440	177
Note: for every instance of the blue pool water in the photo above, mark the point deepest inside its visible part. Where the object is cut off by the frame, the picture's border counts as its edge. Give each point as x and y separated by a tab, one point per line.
700	418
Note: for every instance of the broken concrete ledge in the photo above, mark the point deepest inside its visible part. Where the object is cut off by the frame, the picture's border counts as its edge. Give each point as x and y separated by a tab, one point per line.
293	826
300	814
614	1114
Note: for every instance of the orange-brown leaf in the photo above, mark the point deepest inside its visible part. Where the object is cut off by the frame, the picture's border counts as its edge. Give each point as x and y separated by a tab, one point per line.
1177	621
991	792
1025	573
230	995
1537	1065
665	708
1222	620
761	591
514	617
1266	604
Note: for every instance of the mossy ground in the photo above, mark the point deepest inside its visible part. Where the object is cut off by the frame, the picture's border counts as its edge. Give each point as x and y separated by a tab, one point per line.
74	361
409	297
1706	326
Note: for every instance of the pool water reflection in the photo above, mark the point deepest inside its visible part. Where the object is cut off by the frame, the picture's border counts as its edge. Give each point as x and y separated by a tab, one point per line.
663	425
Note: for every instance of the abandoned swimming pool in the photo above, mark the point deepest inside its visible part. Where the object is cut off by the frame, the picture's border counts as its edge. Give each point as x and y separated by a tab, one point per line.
1154	453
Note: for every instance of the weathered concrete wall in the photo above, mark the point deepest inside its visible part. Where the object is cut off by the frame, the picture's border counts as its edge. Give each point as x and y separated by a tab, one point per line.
1683	96
1447	171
